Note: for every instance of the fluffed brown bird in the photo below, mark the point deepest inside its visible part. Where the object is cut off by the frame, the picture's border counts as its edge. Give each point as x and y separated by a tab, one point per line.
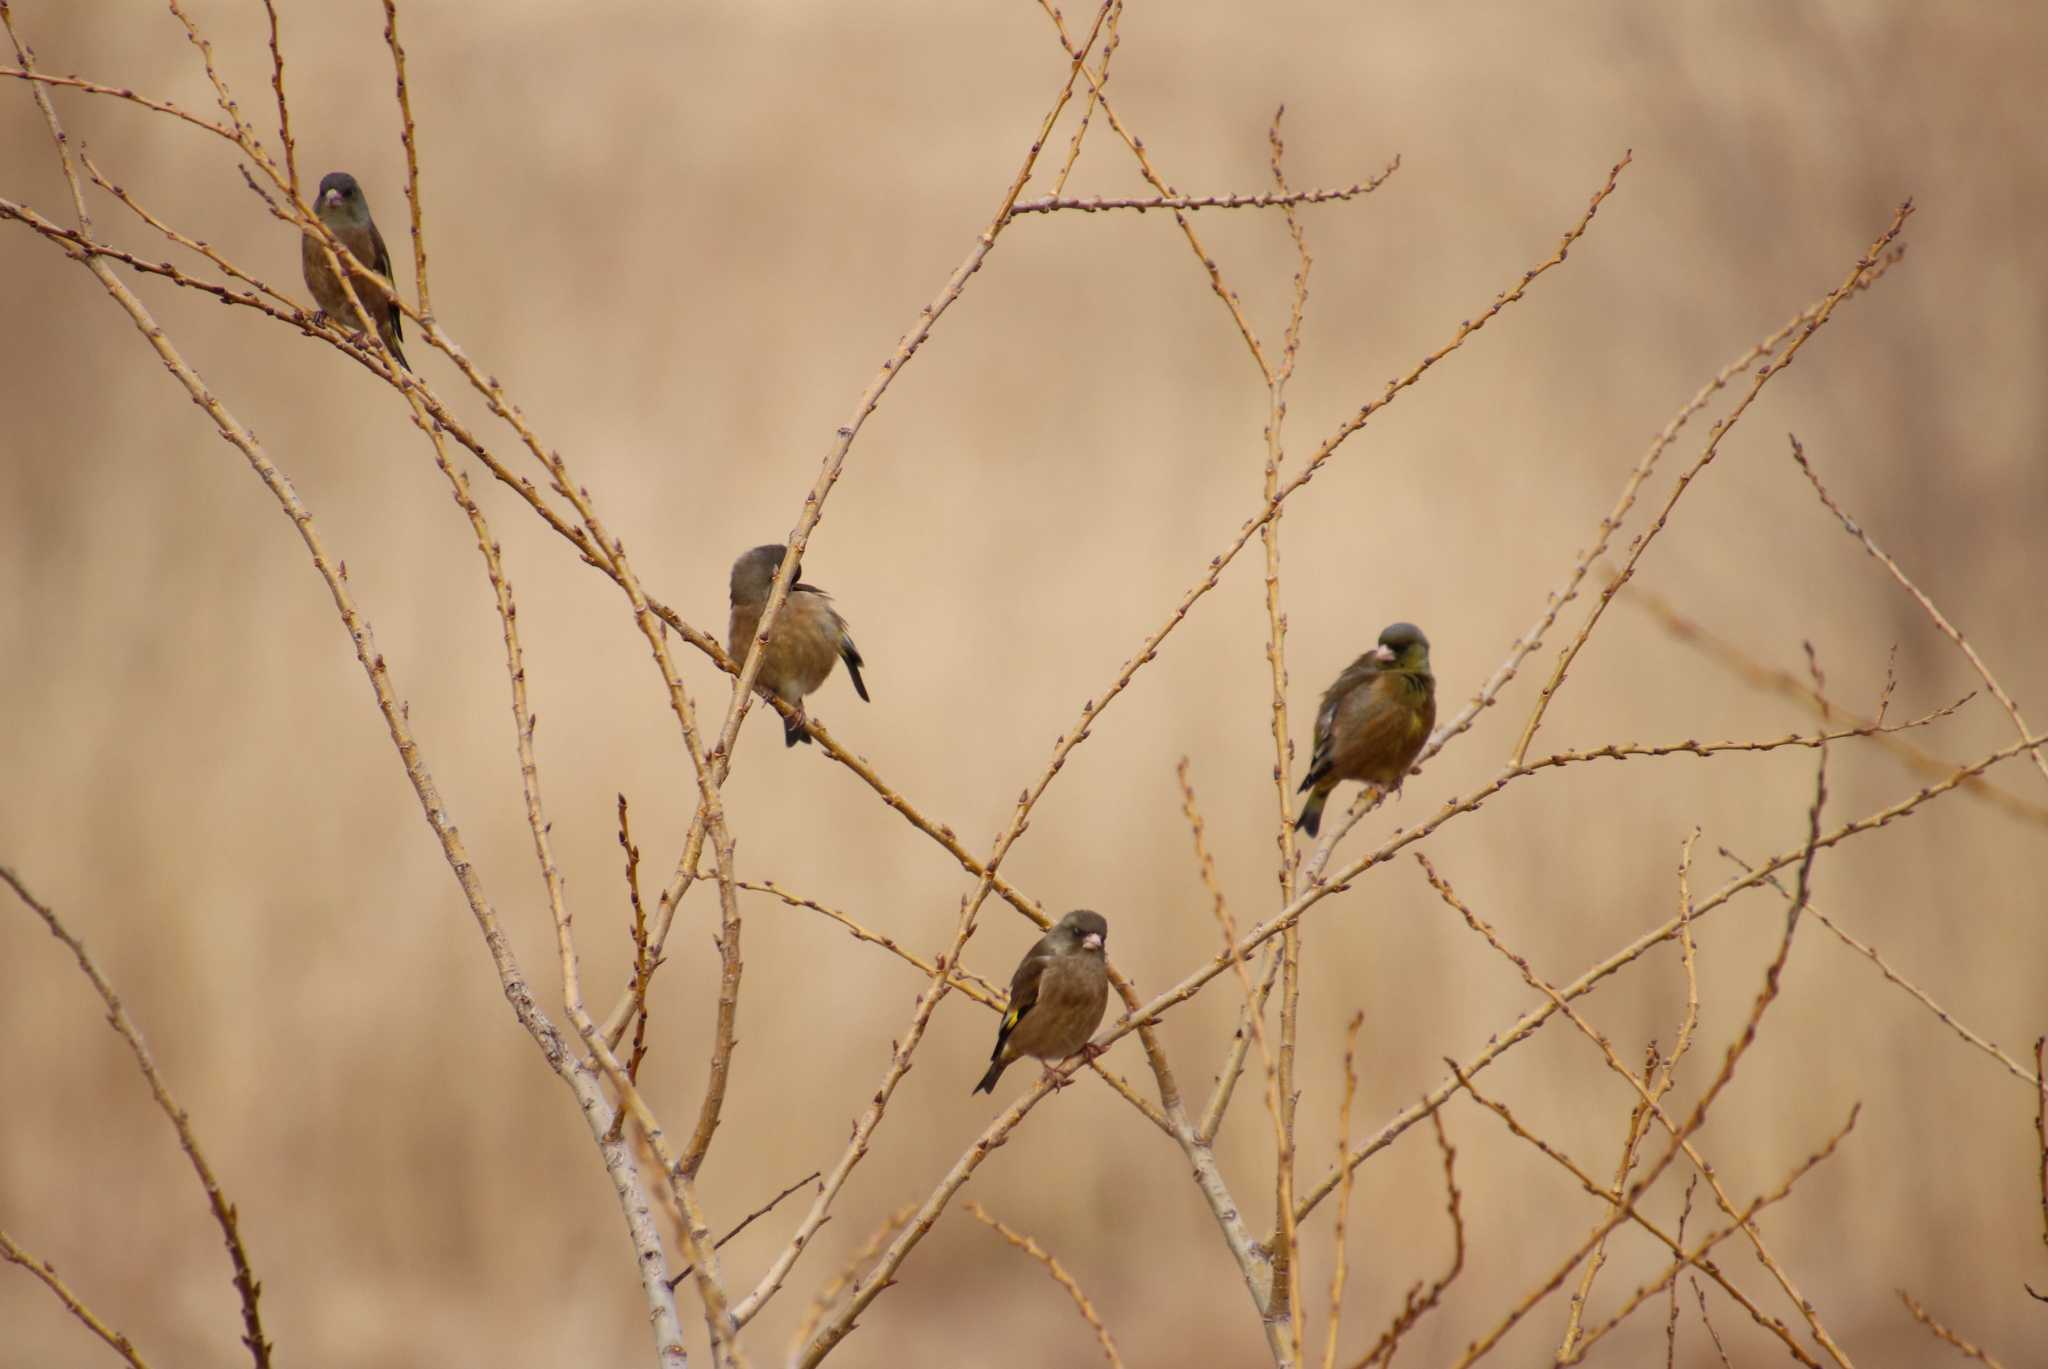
346	213
1373	721
809	635
1057	996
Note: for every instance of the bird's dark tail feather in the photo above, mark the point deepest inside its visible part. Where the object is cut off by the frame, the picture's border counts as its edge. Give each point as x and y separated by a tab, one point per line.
849	654
995	1072
1311	819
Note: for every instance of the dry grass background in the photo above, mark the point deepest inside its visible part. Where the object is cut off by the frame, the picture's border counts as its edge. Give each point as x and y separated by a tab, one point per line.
684	237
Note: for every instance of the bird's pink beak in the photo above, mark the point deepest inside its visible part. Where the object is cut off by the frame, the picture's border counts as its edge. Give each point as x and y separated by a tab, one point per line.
1384	654
1092	942
329	200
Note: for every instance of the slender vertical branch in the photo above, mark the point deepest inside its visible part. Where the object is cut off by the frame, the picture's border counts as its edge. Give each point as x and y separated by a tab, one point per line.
1337	1252
410	137
284	111
1286	1277
643	958
1283	1301
1671	1303
1417	1302
1632	1135
2041	1136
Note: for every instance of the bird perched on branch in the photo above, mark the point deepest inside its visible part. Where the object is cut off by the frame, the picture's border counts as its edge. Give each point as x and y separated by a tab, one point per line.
1057	996
808	635
346	213
1373	721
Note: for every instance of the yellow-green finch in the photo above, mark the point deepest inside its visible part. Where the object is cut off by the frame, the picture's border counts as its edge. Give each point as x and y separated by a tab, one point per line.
809	635
346	213
1373	721
1057	996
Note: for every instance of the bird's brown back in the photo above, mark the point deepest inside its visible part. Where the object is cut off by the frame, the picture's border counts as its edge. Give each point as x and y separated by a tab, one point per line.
1379	727
1073	993
801	651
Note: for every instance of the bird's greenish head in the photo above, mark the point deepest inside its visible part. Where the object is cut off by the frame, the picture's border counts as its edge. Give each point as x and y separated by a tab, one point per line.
1082	930
340	203
755	571
1403	647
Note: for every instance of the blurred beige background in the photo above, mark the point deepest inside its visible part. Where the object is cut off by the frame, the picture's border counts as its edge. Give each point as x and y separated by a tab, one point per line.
685	237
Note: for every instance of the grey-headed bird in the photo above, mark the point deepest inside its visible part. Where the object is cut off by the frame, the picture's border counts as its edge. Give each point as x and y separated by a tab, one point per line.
346	213
1373	721
808	636
1057	996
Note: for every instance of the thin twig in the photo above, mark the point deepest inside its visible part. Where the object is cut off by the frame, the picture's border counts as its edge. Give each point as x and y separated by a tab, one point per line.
1285	199
119	93
1337	1254
1934	614
409	136
1920	995
644	963
829	1291
47	1274
284	112
1059	1275
1284	1243
1671	1316
224	1214
1631	1137
1706	1321
747	1221
2041	1139
1921	1315
1416	1302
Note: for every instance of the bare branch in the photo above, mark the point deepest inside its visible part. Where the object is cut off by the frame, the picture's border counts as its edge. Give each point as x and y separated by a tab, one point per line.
747	1221
1416	1302
1934	614
1772	679
1060	1276
47	1273
1859	274
1286	199
1344	1194
410	137
1921	1315
1920	995
224	1214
